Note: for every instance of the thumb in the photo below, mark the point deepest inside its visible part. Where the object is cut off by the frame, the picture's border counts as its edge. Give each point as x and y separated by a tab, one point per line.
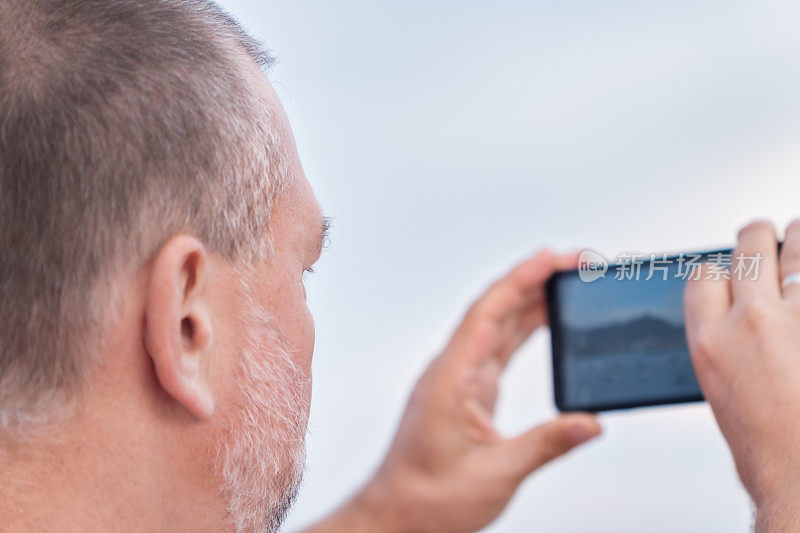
544	443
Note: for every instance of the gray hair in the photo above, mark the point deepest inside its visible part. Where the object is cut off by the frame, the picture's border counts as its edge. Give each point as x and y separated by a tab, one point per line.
122	123
259	456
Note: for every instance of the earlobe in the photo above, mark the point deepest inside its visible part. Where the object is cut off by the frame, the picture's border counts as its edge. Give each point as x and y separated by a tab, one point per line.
177	332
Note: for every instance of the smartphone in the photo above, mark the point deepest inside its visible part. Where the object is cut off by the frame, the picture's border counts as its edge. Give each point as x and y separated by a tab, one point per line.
618	336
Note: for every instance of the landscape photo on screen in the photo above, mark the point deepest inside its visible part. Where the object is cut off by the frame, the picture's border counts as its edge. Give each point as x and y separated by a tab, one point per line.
623	340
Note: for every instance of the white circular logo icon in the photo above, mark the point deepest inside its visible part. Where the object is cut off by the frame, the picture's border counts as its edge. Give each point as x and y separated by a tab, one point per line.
591	266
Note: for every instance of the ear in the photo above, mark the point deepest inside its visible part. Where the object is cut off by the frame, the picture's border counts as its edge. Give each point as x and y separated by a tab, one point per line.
177	331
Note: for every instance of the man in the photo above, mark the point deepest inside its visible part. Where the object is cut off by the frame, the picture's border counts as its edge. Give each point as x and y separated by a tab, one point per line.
155	345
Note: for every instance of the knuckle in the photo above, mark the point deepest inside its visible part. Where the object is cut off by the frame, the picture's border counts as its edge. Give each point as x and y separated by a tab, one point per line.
706	344
755	313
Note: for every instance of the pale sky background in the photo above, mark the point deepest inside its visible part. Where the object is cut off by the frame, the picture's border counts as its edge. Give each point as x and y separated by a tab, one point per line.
449	139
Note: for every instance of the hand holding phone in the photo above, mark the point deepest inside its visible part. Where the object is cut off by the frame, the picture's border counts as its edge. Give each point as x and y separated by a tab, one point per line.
744	336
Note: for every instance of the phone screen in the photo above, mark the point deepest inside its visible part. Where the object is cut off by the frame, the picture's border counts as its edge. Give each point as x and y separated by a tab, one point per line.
619	341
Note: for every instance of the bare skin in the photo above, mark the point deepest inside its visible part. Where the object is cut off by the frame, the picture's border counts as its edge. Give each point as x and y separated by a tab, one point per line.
448	469
135	454
744	336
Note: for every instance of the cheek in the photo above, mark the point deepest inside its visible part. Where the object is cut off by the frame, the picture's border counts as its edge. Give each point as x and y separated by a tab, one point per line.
306	339
287	305
299	327
302	337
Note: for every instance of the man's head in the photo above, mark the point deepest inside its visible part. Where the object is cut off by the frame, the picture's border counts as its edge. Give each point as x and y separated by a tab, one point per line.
155	225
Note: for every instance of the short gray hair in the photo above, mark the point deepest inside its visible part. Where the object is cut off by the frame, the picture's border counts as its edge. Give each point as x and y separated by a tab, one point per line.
122	123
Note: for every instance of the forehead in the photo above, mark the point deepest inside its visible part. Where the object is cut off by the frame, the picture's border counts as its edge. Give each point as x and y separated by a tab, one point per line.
296	222
296	215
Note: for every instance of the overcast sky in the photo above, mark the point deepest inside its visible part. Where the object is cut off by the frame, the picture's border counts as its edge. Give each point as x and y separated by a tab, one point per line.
449	139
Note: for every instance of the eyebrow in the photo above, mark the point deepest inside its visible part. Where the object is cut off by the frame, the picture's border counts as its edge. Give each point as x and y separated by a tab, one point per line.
324	234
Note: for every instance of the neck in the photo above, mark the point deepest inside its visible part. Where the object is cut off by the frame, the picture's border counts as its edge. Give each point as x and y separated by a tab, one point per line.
102	472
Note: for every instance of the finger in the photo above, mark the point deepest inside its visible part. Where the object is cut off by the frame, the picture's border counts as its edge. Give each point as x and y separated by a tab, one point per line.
531	320
757	247
522	287
706	301
548	441
533	316
790	259
568	261
525	283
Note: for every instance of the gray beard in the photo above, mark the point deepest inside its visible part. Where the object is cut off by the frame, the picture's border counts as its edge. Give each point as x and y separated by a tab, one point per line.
260	457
